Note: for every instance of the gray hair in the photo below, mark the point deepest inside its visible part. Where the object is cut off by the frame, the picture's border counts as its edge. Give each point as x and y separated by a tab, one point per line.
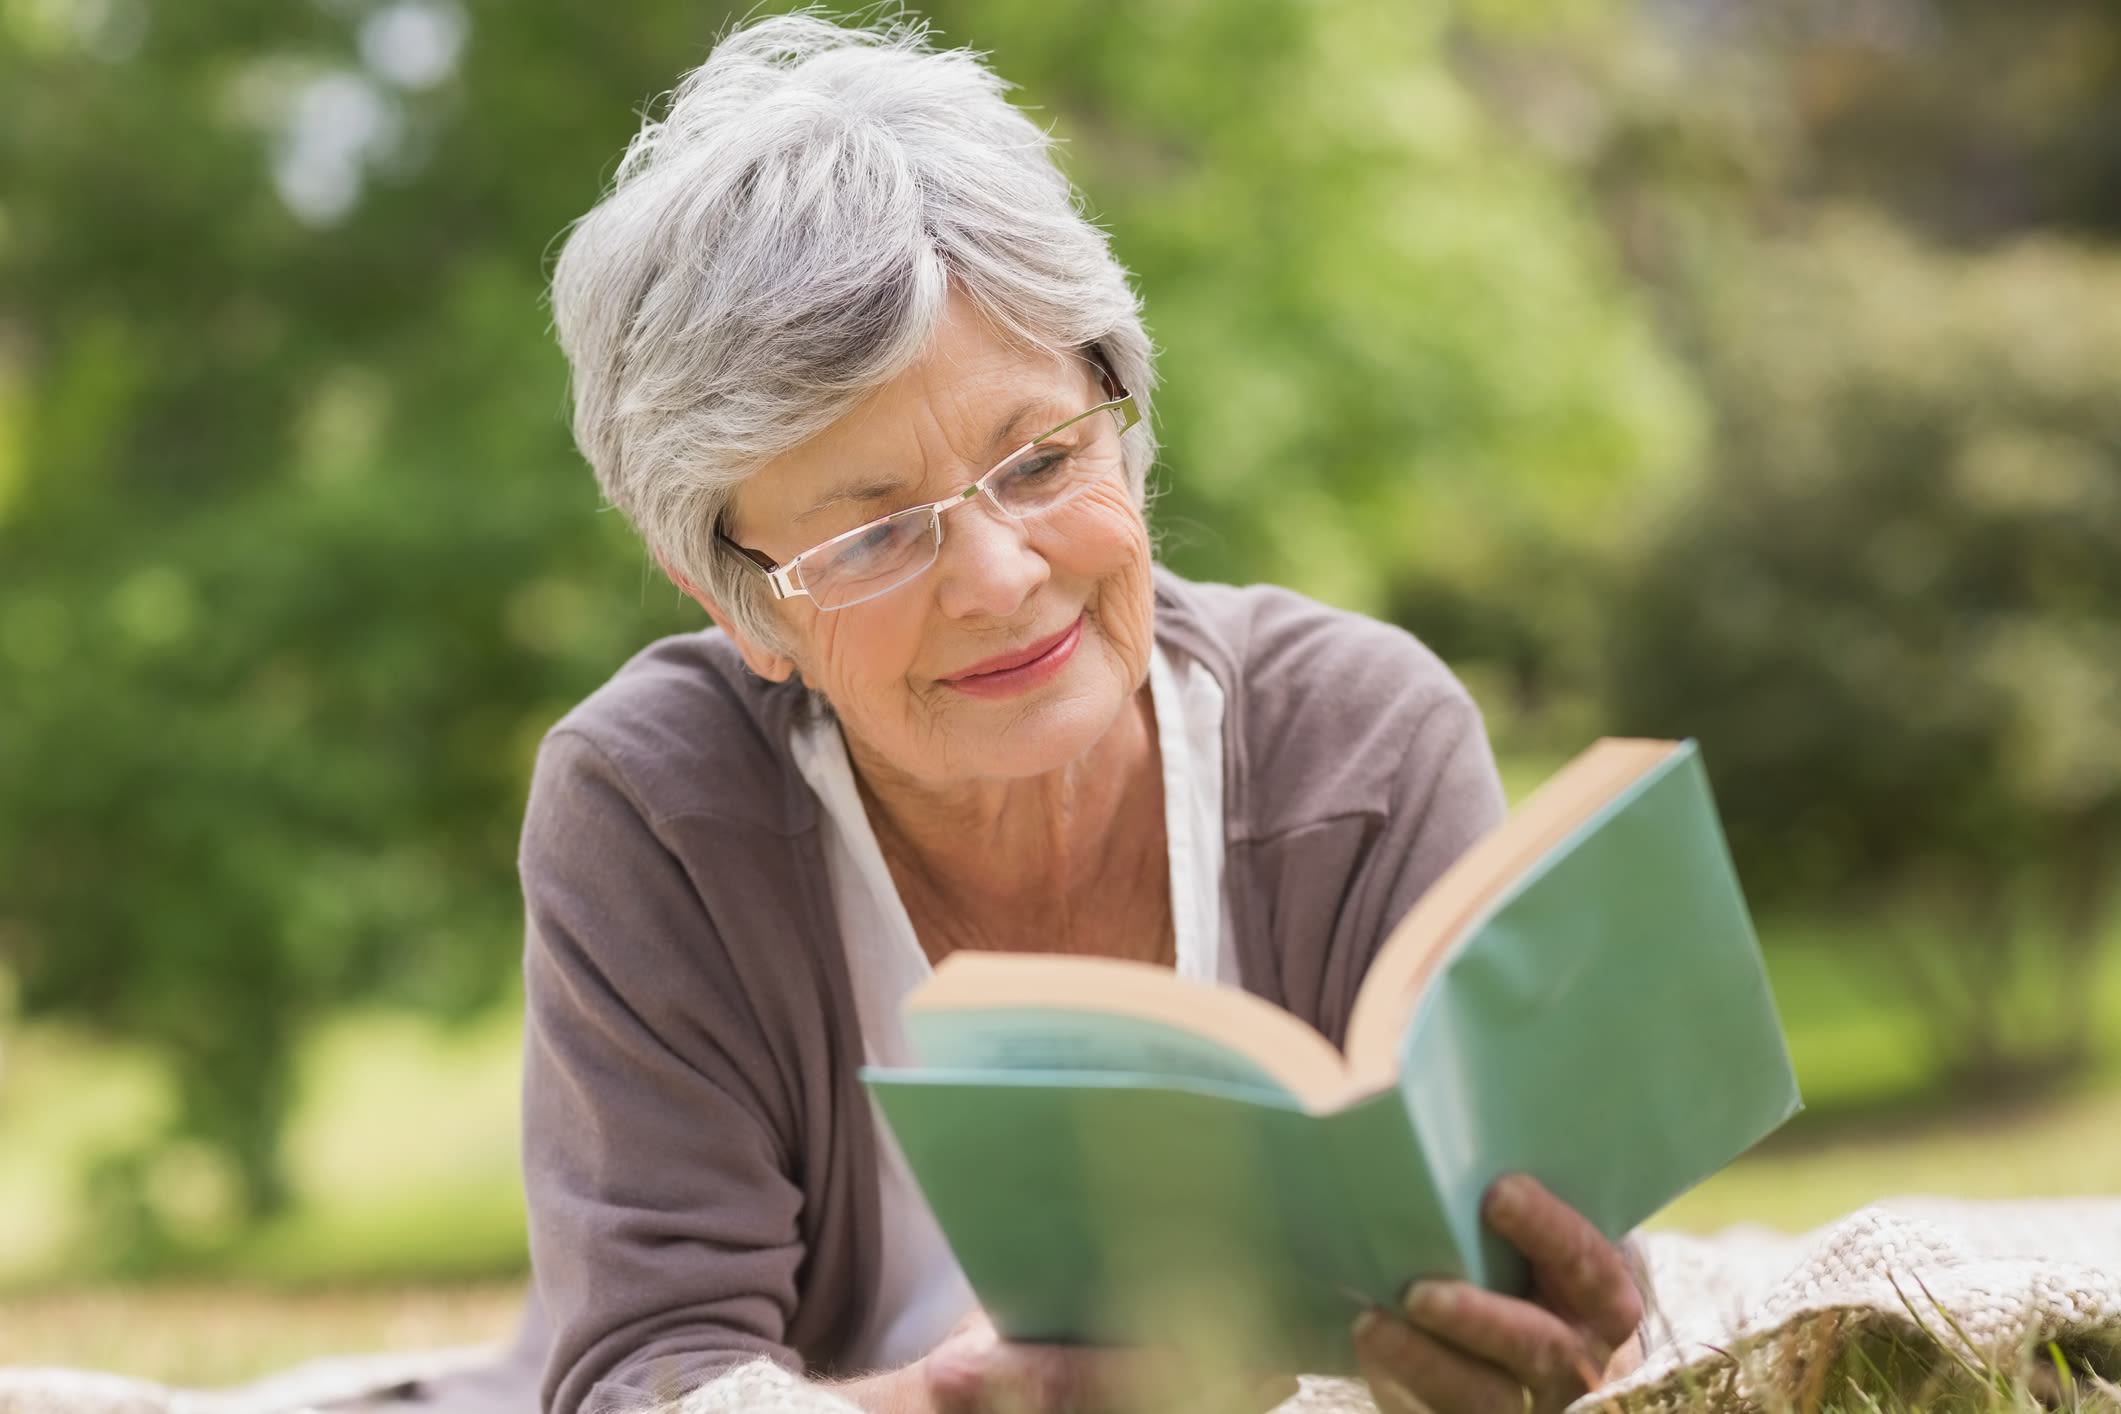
781	243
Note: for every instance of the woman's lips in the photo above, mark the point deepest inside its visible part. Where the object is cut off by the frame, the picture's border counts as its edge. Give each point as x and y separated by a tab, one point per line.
1008	674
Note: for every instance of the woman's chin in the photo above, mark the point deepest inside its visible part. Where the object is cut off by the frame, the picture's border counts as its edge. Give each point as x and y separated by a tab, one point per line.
1040	731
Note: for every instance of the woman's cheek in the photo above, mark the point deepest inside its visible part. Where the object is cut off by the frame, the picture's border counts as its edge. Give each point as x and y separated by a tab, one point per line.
850	658
1126	595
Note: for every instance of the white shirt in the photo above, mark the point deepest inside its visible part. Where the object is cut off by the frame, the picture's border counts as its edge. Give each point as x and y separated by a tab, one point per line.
921	1293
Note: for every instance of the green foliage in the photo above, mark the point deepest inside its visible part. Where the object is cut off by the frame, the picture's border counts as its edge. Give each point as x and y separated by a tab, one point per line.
1893	612
1897	679
1396	354
296	561
1972	119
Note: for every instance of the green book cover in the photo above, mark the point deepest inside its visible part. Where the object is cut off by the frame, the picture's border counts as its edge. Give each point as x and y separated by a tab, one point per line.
1601	1020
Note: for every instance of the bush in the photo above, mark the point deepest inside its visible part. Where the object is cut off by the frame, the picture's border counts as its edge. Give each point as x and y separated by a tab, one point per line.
1892	613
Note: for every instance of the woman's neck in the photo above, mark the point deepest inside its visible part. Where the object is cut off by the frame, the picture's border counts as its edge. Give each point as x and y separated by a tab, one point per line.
1073	860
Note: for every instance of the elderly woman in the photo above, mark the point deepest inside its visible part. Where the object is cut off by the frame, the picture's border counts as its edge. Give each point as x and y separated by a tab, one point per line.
876	395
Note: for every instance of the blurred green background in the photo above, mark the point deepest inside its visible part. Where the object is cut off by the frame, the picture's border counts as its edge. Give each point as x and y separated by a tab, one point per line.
1749	371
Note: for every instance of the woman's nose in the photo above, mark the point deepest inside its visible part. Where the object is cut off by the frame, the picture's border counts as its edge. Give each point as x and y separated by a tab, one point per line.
986	563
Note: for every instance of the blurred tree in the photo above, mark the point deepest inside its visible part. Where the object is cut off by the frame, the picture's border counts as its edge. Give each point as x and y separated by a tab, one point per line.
1893	613
296	561
1403	371
1833	608
295	558
1971	119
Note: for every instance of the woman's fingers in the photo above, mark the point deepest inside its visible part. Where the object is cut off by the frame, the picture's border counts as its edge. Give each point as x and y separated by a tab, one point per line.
1411	1372
977	1372
1022	1379
1533	1344
1463	1350
1573	1265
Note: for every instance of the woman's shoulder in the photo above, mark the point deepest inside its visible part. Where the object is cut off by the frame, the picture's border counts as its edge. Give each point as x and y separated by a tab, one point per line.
1330	712
1292	657
685	729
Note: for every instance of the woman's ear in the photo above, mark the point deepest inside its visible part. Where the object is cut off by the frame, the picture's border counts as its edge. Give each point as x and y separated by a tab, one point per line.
774	667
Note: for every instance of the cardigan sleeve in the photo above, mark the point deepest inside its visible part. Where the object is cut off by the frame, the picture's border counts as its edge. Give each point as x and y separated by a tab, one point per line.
663	1208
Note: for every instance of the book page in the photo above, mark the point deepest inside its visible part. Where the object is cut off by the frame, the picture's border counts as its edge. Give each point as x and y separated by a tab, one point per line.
1222	1021
1048	1039
1435	925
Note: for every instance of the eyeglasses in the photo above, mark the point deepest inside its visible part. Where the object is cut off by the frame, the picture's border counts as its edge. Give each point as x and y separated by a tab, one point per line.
1039	476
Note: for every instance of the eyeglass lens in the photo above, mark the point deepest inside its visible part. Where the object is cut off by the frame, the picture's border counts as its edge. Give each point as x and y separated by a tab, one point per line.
885	554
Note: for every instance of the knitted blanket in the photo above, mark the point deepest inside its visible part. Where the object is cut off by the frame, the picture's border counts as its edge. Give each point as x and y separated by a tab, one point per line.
1911	1298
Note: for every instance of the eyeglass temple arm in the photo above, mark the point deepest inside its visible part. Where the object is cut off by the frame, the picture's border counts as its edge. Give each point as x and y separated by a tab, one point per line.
1115	391
775	576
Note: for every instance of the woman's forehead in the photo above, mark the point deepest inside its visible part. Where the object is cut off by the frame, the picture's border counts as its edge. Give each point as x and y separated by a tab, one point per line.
971	389
971	398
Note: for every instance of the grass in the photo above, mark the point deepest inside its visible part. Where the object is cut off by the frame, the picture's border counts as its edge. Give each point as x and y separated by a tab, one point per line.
402	1157
1933	1369
1879	1123
2056	1147
408	1228
206	1337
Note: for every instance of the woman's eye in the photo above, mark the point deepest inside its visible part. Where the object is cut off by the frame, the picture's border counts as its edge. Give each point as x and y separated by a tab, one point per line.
880	541
1041	465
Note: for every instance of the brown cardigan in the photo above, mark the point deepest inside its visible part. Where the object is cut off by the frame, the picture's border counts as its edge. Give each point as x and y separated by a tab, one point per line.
699	1156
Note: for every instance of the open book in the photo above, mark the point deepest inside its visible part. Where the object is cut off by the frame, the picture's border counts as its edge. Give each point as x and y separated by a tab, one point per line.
1120	1155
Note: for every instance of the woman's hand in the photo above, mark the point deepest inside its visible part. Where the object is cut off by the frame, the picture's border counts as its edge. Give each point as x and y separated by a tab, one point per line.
1462	1350
975	1371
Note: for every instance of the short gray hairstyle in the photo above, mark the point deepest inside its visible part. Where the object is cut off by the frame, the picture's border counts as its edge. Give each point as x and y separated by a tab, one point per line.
781	242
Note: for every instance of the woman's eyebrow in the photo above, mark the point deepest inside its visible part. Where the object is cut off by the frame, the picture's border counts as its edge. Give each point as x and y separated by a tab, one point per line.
874	489
1011	434
1008	435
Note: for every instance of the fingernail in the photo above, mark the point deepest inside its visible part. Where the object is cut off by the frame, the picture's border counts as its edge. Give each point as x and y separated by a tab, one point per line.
1366	1322
1504	1198
1430	1300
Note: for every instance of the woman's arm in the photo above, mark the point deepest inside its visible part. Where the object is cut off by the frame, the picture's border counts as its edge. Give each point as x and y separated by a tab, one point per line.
664	1223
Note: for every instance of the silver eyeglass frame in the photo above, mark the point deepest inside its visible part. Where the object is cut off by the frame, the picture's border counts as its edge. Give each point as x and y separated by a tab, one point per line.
784	579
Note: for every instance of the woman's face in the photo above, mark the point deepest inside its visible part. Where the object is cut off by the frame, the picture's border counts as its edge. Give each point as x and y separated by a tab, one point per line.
931	680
